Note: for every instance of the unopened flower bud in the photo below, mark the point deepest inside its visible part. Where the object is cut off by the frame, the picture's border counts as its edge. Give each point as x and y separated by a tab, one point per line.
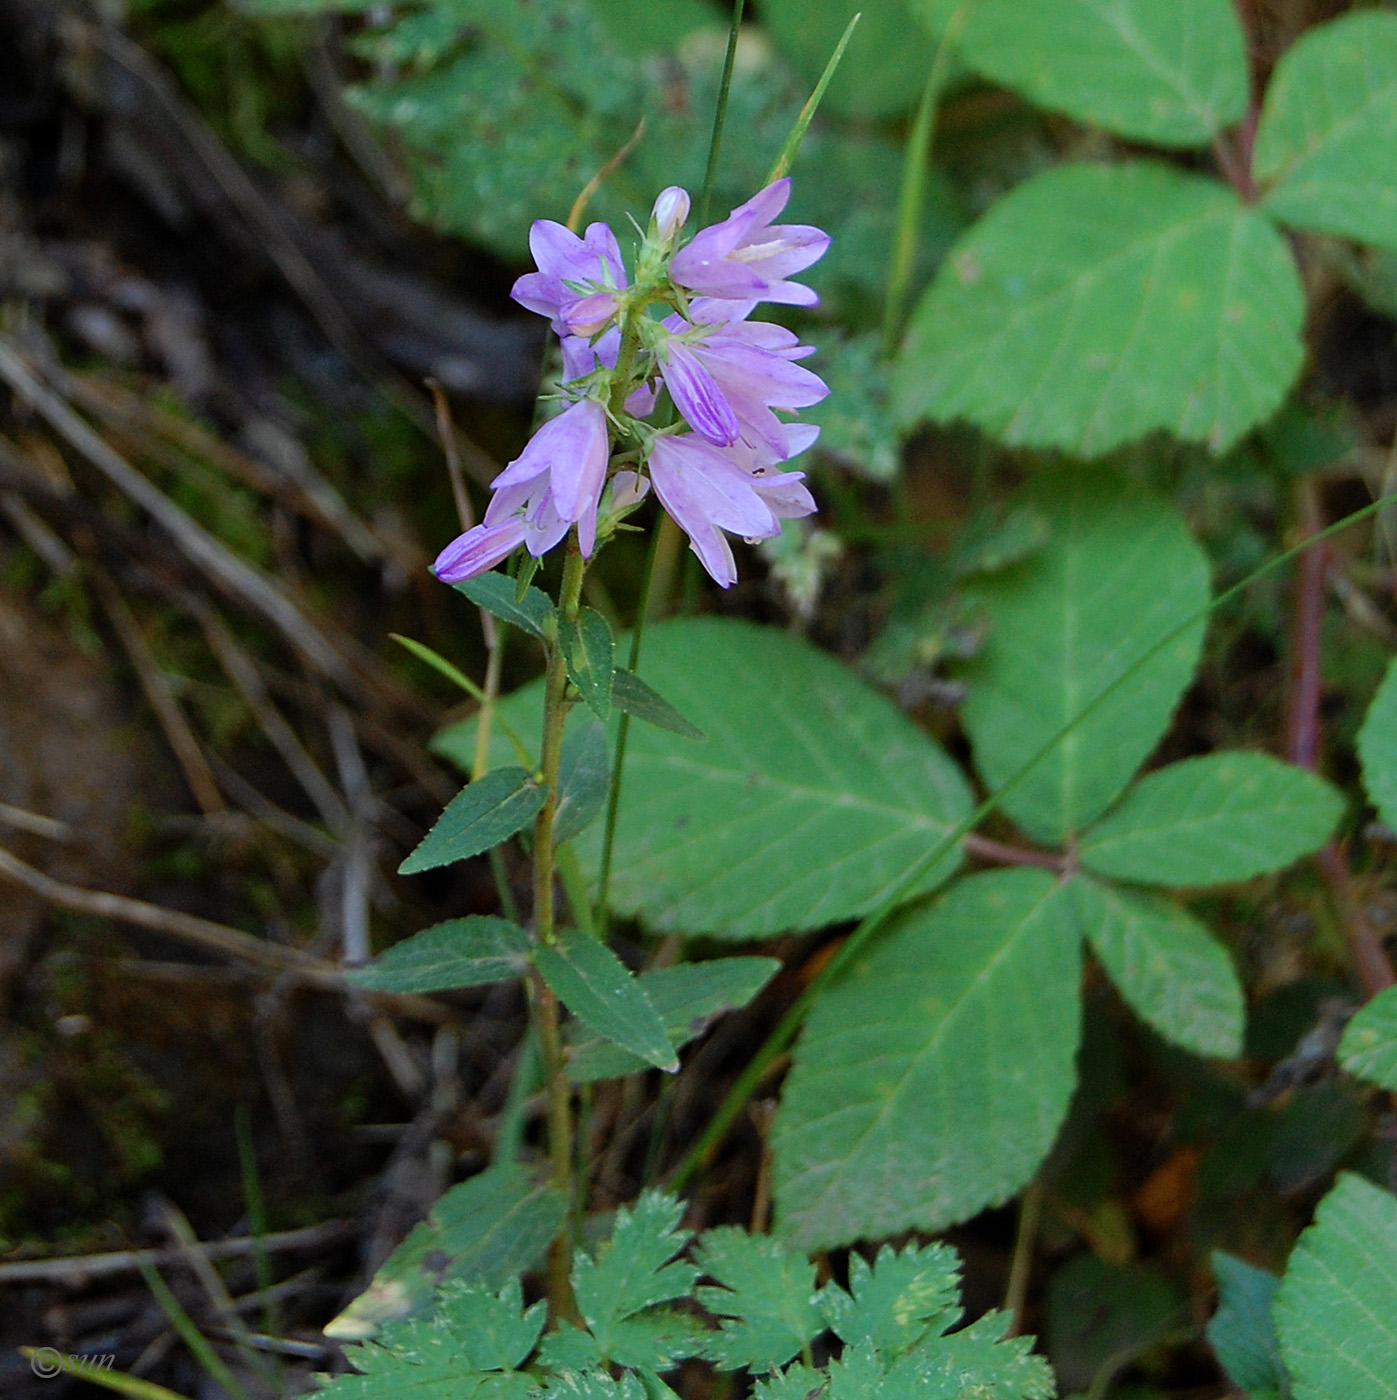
670	214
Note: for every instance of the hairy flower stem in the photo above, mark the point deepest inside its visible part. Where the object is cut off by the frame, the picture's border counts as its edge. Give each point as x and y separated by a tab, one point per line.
544	1004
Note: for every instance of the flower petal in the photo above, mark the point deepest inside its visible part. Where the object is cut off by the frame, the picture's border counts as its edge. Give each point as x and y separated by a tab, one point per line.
478	549
697	395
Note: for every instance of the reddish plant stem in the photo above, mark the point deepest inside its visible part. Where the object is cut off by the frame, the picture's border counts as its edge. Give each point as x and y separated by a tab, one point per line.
1002	854
1370	963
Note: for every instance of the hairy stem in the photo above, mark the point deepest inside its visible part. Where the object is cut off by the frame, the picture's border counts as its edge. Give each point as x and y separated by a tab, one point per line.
543	1003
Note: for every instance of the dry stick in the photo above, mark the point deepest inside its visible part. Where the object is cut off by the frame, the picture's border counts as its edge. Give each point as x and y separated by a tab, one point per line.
1370	962
203	933
234	575
80	1268
181	737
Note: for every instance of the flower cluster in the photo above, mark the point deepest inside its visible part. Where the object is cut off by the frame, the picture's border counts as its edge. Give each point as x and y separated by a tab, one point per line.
719	470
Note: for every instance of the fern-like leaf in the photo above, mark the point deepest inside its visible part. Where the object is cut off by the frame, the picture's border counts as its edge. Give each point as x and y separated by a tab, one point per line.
766	1305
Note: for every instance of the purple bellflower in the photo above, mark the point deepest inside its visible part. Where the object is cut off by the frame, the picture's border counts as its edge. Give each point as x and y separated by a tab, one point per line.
747	258
729	377
554	483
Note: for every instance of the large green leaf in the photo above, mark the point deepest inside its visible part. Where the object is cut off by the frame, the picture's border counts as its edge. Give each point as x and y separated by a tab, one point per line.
1377	748
1206	821
884	67
930	1082
1119	574
1173	74
1096	303
813	797
481	815
1328	131
1167	966
602	992
458	953
1369	1047
1336	1309
486	1230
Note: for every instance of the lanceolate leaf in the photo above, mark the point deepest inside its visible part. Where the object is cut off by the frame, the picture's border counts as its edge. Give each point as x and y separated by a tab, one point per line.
1096	303
584	775
1369	1047
687	997
486	1230
587	648
1120	572
1328	130
458	953
1209	820
640	701
496	593
931	1081
1334	1311
597	987
481	815
1241	1331
1166	965
1377	748
1173	74
812	798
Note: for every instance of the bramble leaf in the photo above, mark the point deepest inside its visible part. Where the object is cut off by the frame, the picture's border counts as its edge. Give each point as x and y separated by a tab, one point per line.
1334	1309
1368	1049
1120	571
458	953
1094	304
766	1305
1174	974
1241	1332
687	997
1327	137
1377	748
1214	819
481	815
1172	74
601	991
810	801
902	1298
930	1081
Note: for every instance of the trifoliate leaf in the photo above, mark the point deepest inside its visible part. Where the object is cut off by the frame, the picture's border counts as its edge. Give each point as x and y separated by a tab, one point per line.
1214	819
1241	1332
1327	138
931	1081
1336	1308
1369	1047
1094	304
1171	74
766	1304
902	1298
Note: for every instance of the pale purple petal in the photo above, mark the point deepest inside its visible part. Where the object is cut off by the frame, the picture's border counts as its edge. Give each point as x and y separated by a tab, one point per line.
697	396
707	488
715	554
576	447
670	213
587	315
478	549
786	496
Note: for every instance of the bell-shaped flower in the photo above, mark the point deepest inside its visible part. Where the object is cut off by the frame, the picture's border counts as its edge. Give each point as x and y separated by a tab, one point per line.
747	258
707	493
577	278
554	483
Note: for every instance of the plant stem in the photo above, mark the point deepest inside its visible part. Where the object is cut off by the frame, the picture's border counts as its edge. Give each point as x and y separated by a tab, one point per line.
543	1002
716	140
